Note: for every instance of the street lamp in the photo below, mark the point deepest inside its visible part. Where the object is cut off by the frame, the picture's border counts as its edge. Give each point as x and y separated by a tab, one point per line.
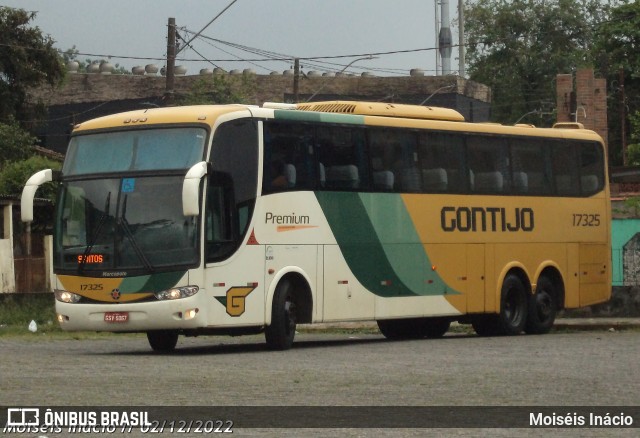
345	67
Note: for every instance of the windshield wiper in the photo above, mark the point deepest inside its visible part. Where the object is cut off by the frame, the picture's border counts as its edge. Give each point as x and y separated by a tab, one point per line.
134	243
96	234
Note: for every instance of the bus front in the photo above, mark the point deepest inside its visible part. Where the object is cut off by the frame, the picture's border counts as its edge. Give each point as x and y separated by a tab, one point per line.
125	251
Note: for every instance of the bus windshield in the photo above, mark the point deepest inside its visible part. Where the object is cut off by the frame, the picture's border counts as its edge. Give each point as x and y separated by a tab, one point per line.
131	224
130	220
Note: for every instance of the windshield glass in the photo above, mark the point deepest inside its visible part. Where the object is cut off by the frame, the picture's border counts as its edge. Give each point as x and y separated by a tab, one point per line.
127	223
143	149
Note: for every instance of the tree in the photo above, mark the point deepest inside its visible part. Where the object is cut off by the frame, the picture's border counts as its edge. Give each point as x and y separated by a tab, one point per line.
15	143
517	47
616	52
27	59
15	174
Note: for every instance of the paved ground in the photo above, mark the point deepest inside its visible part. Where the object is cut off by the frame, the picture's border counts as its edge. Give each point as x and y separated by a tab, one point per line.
596	367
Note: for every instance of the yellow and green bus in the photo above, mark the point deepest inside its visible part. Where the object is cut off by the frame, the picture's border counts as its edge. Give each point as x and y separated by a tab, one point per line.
237	219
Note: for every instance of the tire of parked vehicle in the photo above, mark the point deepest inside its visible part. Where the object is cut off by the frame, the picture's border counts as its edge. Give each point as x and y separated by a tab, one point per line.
279	335
513	306
543	307
162	341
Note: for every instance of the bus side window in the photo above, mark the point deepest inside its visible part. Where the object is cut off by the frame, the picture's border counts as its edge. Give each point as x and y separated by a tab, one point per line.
441	163
591	165
487	158
288	158
341	154
528	167
565	172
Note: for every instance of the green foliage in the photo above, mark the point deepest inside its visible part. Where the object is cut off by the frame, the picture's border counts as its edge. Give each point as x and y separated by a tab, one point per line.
616	51
16	173
15	143
519	46
633	149
220	89
20	309
27	59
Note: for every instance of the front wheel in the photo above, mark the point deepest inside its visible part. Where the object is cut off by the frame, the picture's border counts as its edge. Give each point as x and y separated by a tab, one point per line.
279	335
163	341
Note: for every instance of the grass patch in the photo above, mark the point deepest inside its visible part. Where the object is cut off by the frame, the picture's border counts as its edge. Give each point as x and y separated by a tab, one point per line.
18	310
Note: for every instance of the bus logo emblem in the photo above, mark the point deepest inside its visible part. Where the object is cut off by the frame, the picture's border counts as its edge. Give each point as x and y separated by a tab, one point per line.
235	299
115	294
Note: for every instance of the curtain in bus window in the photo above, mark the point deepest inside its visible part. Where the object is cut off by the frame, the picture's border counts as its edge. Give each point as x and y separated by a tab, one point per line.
97	153
488	164
146	149
169	149
565	169
440	162
288	158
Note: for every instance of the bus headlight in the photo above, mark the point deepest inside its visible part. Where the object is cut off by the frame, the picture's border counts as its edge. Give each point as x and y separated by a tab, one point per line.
176	293
66	297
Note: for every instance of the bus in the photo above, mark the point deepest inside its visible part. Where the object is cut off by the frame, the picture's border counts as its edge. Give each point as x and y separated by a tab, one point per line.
240	219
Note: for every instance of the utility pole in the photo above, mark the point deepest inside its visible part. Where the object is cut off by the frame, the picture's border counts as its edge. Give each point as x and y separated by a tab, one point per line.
171	61
623	127
296	79
461	48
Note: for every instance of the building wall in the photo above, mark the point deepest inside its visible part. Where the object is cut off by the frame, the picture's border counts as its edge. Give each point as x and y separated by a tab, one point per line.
583	99
86	96
7	273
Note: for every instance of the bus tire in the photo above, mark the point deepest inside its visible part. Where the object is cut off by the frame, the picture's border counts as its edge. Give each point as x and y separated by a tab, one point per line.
543	307
486	325
434	328
513	306
162	341
279	335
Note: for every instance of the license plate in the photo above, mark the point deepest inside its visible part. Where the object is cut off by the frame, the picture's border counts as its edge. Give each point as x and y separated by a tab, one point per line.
116	316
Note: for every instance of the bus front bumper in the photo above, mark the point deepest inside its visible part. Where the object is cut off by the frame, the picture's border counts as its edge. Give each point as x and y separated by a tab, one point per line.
186	313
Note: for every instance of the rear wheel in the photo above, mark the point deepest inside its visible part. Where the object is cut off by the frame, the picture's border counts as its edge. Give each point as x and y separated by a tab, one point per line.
543	307
486	325
513	306
163	341
279	335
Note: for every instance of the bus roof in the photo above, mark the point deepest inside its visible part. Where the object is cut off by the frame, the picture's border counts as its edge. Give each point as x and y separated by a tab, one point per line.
367	113
168	115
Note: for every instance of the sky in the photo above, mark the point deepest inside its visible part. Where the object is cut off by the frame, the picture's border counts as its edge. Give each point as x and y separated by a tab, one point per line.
135	32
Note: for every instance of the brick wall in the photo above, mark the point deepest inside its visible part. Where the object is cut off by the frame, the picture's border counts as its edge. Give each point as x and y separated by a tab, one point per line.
584	102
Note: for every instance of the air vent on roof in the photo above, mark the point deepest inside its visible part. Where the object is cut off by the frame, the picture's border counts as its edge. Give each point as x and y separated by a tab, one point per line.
329	107
384	110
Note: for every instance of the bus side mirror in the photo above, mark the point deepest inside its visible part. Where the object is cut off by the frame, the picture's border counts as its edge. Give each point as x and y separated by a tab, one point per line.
29	191
191	189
